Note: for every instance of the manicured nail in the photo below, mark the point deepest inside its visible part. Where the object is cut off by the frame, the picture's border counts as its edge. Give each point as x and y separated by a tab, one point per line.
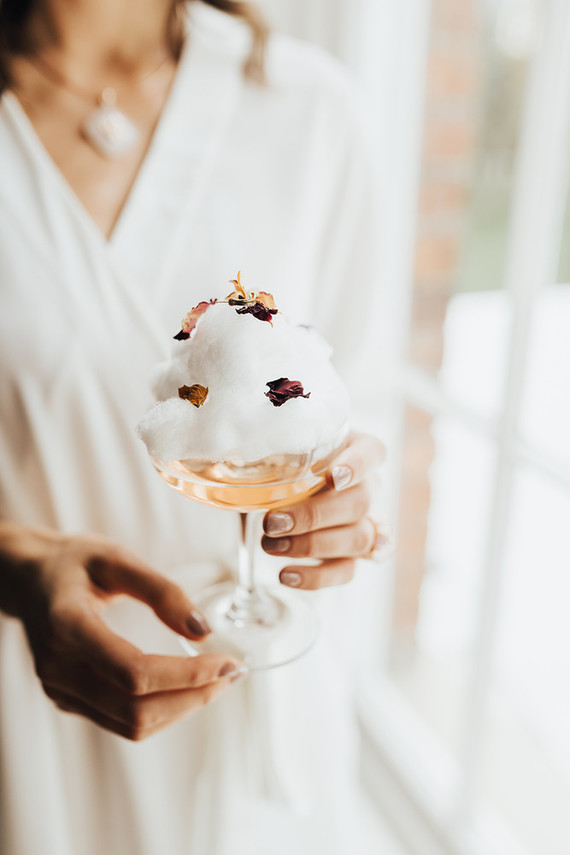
281	545
289	577
342	476
230	668
278	523
197	623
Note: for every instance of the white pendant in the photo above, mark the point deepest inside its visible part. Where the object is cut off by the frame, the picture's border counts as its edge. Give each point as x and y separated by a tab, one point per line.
110	131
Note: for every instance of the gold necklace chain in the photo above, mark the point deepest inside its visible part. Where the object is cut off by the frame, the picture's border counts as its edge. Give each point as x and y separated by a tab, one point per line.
106	95
108	130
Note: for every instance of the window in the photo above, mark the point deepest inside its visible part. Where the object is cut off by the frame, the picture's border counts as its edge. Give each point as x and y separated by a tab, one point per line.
465	691
473	697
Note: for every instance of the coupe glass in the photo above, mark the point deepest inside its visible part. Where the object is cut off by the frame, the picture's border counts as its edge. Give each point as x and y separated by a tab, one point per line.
264	626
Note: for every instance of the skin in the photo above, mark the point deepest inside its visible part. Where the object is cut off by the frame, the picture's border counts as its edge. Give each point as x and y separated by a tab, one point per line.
57	585
332	526
94	44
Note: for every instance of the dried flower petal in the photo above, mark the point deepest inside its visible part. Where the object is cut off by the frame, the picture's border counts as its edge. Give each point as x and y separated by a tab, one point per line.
191	318
242	298
266	299
240	293
237	283
283	389
196	394
258	310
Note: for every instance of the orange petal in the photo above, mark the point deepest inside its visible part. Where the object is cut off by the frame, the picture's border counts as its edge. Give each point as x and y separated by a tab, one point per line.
196	394
266	299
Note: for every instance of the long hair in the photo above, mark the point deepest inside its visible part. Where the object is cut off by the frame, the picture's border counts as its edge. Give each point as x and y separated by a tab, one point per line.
14	14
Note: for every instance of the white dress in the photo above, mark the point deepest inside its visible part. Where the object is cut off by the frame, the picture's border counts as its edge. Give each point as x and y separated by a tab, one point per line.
273	180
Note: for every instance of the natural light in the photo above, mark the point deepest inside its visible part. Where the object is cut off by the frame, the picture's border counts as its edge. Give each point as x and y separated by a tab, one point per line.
465	723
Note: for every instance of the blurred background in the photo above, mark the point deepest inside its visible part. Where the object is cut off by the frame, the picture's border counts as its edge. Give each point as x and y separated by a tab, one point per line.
464	649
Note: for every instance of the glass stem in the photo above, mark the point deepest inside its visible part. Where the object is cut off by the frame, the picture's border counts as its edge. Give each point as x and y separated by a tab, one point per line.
246	556
250	606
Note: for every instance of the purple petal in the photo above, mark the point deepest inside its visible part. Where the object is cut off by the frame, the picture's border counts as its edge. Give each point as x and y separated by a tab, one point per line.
283	389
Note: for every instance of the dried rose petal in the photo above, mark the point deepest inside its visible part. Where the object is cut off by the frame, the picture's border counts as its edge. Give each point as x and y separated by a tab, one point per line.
196	394
283	389
258	310
266	299
190	319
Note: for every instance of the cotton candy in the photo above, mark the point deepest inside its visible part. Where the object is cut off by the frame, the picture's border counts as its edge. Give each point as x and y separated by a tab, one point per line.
235	356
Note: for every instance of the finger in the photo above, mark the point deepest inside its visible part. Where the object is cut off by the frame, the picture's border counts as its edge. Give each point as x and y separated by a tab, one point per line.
124	665
349	541
335	572
68	704
363	453
120	572
141	716
325	510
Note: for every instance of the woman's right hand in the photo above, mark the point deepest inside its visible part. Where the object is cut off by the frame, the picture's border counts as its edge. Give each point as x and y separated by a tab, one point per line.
58	586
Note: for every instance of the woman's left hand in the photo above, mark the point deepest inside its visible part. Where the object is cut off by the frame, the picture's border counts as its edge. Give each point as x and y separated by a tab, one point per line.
333	525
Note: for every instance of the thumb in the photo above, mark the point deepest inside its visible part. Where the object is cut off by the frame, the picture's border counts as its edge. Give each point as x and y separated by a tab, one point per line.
362	453
119	572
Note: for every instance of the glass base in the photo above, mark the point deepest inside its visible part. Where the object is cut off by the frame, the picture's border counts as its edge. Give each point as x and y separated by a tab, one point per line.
283	628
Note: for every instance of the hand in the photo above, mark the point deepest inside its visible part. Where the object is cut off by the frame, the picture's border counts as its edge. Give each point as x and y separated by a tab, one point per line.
83	666
332	525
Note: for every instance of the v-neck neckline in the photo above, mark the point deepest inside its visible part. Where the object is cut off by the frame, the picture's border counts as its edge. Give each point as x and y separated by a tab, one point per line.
183	147
65	188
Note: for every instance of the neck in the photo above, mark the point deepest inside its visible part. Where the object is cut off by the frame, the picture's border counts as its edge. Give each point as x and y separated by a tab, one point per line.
103	37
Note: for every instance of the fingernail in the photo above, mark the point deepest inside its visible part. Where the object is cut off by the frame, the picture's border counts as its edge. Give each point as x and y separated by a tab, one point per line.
289	577
342	476
277	523
230	668
197	623
281	545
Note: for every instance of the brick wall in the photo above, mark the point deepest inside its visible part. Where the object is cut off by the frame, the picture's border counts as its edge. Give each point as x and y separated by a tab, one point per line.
453	81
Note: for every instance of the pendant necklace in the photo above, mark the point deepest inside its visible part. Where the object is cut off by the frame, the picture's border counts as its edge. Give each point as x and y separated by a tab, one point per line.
107	129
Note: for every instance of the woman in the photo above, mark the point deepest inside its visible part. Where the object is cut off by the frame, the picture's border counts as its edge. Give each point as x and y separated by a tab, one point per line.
110	228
